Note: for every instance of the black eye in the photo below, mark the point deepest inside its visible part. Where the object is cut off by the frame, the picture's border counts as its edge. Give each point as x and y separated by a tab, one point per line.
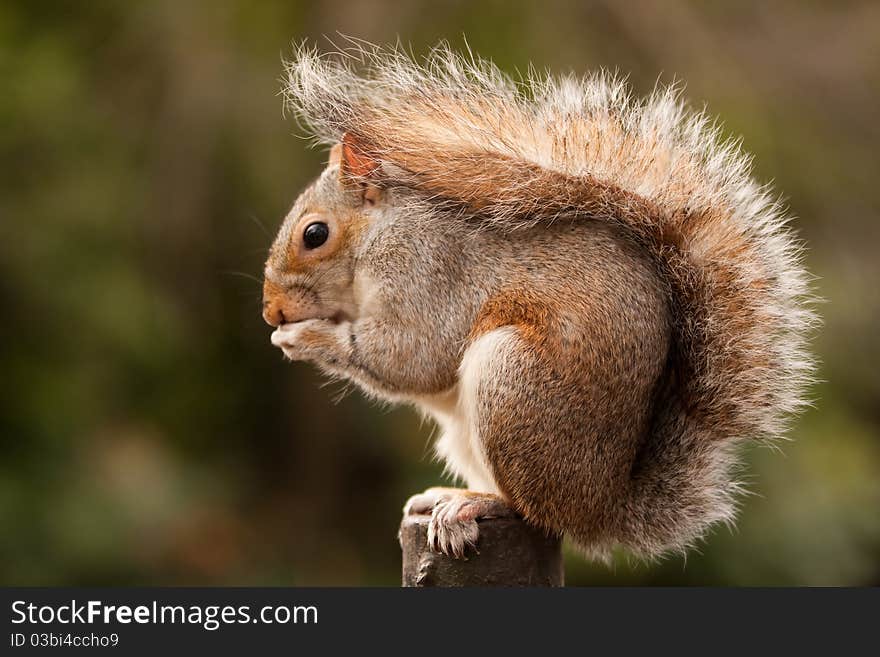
315	234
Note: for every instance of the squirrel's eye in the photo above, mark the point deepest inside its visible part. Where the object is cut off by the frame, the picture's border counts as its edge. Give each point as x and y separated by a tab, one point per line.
315	234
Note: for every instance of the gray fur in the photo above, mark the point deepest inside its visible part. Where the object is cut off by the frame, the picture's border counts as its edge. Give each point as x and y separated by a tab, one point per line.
589	293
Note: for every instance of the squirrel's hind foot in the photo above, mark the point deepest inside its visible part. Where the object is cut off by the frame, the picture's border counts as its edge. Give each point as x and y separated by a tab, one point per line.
455	514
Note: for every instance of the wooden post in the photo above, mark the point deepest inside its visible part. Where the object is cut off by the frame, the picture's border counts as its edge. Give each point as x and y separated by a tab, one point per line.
509	553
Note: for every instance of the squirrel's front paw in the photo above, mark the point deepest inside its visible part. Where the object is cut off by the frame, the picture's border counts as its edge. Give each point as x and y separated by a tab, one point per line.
306	339
454	517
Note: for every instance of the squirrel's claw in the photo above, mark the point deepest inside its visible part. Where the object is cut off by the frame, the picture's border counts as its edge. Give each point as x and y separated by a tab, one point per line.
450	534
454	517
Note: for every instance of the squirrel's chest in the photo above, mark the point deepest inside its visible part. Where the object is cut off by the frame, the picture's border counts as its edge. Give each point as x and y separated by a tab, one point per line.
458	444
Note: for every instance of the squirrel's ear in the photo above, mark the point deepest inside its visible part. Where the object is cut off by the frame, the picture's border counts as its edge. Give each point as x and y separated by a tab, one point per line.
357	166
355	160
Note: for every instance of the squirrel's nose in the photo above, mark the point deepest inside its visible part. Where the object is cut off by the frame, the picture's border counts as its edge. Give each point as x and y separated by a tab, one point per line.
278	310
272	312
280	306
274	301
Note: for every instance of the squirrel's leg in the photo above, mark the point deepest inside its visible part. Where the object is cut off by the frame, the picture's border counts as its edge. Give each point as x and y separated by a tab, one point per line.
559	410
455	513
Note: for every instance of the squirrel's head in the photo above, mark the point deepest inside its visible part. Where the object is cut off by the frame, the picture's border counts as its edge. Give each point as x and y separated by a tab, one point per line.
310	269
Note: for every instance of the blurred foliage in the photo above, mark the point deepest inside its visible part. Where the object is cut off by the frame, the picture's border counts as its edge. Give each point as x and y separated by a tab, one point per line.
149	432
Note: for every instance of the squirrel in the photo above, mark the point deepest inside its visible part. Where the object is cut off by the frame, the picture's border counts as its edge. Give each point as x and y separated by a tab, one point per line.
588	292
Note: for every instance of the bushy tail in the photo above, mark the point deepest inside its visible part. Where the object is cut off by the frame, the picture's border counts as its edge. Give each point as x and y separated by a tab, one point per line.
521	153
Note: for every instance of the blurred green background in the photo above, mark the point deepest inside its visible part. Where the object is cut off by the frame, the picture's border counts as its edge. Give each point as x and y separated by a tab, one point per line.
149	432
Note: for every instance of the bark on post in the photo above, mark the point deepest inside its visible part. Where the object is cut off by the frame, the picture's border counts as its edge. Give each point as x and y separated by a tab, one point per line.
509	553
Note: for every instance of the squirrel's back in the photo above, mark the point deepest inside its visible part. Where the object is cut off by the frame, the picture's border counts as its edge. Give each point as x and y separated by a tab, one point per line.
477	145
